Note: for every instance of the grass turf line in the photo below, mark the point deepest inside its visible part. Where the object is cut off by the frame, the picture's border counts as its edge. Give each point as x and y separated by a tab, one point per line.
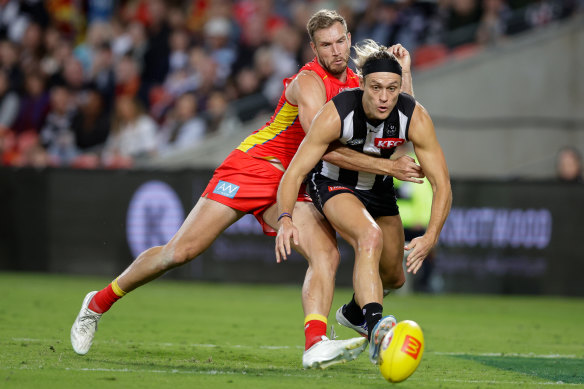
189	334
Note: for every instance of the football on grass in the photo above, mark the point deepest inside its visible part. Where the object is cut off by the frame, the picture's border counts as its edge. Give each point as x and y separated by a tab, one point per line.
401	351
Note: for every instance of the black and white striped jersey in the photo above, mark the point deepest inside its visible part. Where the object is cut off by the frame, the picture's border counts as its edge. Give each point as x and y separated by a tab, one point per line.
378	138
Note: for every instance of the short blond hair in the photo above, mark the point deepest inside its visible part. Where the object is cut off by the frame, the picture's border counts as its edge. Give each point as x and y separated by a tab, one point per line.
323	19
367	50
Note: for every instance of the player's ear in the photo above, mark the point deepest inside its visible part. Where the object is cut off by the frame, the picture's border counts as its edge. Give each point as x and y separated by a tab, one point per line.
349	38
313	47
362	82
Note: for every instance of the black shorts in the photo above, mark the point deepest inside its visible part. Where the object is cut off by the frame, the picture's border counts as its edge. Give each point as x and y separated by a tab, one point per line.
381	202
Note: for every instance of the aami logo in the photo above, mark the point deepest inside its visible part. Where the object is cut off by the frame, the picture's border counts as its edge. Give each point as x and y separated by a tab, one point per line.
411	346
338	187
388	143
226	189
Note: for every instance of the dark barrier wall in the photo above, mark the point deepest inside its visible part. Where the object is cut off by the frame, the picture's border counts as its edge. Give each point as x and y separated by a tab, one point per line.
501	237
96	222
513	237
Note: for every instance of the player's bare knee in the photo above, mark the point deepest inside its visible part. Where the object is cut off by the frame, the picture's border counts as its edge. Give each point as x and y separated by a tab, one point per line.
371	239
399	282
326	262
332	258
392	280
178	254
392	277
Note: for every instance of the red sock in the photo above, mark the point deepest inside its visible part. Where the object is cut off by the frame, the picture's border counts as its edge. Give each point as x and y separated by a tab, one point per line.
314	329
105	298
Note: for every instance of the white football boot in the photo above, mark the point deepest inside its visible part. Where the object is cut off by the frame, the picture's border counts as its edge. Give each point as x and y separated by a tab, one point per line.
382	327
342	320
84	327
329	352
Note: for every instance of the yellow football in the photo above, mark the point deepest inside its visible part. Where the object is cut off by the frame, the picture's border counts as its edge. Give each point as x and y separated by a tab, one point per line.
401	351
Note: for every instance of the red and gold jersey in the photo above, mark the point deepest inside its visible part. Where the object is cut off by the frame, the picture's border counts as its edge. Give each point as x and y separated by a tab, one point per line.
280	137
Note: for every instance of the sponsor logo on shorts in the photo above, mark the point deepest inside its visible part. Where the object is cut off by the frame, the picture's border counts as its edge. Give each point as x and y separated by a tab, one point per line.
226	189
388	143
411	346
338	187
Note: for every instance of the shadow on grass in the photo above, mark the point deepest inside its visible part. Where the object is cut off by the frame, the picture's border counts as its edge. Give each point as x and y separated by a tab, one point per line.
566	370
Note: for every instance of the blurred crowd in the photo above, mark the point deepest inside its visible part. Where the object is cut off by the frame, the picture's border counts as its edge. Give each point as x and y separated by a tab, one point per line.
105	83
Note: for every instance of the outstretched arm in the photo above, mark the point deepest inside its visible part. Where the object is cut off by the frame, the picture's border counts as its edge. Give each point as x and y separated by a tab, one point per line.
325	129
431	157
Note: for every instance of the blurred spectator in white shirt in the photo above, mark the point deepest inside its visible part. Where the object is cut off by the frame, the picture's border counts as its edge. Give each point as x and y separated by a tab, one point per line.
183	127
133	134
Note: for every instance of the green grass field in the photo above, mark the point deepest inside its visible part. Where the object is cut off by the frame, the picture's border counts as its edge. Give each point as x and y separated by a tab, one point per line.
194	335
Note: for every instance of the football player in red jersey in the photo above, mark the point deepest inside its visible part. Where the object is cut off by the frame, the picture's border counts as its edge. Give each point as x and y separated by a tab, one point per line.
247	182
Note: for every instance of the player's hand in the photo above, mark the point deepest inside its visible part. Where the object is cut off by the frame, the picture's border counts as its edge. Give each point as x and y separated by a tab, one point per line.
402	55
421	247
286	233
405	168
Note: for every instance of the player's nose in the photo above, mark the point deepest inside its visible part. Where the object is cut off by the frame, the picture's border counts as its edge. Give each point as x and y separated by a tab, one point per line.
384	95
336	50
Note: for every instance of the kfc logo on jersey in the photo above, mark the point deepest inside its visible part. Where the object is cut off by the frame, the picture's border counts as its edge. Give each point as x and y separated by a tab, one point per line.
388	143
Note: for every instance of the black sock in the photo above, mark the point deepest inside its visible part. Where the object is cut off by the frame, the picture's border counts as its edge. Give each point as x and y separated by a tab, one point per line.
352	311
372	313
